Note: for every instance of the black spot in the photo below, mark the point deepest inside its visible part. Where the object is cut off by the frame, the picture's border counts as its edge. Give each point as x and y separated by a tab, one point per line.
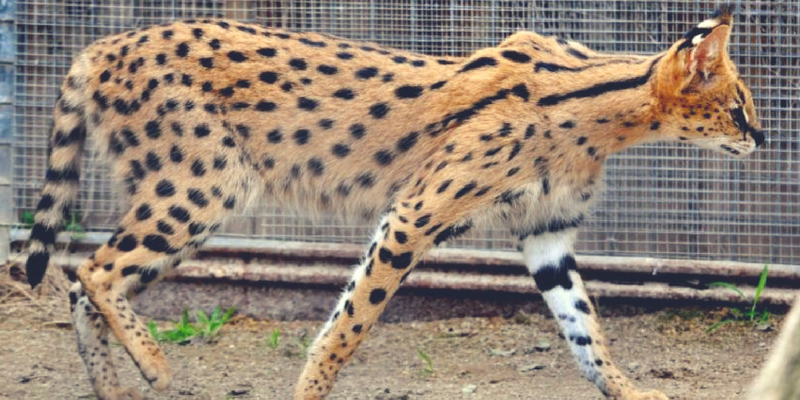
197	197
196	228
357	328
466	189
407	142
307	104
197	32
266	52
214	44
516	56
269	163
208	86
229	203
327	69
312	43
568	124
153	161
158	244
379	110
147	275
228	141
521	91
340	150
223	24
242	130
422	221
127	243
186	80
384	157
376	296
207	62
316	166
130	270
265	106
479	63
298	64
581	340
438	85
325	123
401	237
176	154
236	56
227	91
365	180
345	94
268	77
385	255
451	232
274	136
402	260
418	63
357	131
201	130
165	188
182	50
302	136
105	76
344	55
550	276
655	125
286	87
153	129
243	83
408	92
399	59
366	73
167	34
591	151
198	169
179	213
583	307
581	140
137	170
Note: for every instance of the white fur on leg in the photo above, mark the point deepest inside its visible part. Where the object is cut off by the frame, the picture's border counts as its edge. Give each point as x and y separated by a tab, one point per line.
549	259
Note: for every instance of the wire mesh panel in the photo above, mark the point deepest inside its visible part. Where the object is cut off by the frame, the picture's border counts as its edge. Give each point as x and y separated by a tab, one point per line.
661	200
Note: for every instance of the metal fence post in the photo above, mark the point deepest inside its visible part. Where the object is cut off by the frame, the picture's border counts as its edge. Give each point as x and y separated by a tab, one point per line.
7	57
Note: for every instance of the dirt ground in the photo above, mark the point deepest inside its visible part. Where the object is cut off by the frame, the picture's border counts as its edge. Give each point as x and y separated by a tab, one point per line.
519	356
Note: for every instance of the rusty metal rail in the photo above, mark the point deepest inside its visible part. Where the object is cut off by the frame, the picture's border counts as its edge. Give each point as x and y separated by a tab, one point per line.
250	260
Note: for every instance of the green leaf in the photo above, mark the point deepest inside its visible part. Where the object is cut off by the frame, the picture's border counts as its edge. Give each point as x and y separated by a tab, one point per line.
728	286
762	282
713	328
202	318
228	314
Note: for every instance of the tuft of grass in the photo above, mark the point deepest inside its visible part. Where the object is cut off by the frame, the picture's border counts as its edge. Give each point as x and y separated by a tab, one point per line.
183	330
74	227
274	339
428	368
749	316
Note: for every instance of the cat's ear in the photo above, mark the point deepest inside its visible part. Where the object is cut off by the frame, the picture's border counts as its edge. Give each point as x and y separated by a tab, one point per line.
701	50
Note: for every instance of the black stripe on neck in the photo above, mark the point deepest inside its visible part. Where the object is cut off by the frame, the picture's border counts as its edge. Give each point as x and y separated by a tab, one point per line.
601	88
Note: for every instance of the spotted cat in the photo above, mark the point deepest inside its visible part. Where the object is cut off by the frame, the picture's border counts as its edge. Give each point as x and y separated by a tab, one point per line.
197	117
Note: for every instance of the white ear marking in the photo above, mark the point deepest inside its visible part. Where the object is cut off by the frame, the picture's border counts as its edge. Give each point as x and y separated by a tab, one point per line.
709	23
697	39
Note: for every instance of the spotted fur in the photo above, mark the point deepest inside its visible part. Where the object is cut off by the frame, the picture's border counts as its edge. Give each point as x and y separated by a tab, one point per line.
198	117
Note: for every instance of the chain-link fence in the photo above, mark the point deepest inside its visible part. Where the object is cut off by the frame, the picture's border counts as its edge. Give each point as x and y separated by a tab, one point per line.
662	200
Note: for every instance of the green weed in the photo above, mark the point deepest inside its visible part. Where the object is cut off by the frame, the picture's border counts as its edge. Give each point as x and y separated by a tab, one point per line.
428	369
274	339
183	330
749	316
